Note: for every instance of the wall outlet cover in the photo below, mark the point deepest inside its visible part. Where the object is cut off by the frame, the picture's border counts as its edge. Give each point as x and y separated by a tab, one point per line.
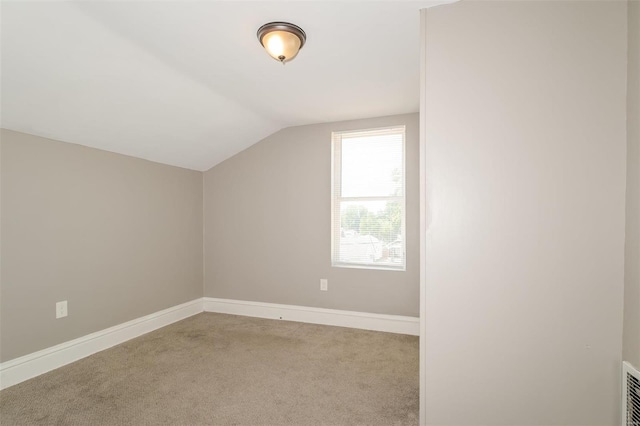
61	309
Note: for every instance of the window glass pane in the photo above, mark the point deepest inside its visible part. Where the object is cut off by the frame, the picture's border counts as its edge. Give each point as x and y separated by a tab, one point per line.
372	165
368	215
371	233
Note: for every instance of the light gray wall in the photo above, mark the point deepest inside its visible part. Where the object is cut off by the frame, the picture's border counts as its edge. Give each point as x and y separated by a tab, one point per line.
631	350
525	170
115	236
268	226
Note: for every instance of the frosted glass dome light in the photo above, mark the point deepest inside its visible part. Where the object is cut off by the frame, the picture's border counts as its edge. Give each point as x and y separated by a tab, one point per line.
281	40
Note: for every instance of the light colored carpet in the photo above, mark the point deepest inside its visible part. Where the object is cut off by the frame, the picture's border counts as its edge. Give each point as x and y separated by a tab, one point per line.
220	369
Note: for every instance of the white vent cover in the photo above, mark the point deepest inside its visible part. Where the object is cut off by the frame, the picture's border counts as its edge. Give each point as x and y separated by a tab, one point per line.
630	395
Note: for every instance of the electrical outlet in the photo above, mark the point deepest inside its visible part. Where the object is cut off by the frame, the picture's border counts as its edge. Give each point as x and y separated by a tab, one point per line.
324	284
61	309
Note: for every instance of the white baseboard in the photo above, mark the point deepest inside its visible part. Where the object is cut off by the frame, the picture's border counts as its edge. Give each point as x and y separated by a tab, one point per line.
26	367
362	320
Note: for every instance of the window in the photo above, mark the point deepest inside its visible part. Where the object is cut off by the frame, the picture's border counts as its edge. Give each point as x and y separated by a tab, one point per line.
368	204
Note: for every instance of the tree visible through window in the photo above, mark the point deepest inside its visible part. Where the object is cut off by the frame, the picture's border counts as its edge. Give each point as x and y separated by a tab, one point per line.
368	204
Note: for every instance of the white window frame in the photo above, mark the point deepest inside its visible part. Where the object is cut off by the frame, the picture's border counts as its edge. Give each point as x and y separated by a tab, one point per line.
336	197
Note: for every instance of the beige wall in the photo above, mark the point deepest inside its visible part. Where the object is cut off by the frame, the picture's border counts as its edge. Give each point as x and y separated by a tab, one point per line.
117	237
525	171
631	349
267	226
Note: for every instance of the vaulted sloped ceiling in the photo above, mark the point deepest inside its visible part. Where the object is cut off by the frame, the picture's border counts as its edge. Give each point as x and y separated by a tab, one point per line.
187	83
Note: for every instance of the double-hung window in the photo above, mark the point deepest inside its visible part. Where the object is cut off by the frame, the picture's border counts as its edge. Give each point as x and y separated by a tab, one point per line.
368	199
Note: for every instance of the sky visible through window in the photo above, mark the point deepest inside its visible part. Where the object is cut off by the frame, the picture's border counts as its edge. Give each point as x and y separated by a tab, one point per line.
371	167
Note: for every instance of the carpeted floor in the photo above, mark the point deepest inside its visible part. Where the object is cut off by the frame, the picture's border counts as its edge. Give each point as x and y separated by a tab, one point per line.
220	369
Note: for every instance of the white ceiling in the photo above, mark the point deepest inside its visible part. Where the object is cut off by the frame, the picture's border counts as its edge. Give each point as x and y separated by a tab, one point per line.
187	83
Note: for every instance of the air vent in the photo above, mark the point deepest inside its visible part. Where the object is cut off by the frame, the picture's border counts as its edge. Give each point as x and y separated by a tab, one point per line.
630	395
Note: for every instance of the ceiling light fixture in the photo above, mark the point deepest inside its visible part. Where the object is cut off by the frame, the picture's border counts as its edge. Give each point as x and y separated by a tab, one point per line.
281	40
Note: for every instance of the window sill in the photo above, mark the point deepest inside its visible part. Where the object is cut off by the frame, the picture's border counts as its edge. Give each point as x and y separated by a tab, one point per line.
374	266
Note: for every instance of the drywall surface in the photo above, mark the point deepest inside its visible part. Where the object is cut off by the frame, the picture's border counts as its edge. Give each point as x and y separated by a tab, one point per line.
268	226
525	173
631	349
115	236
